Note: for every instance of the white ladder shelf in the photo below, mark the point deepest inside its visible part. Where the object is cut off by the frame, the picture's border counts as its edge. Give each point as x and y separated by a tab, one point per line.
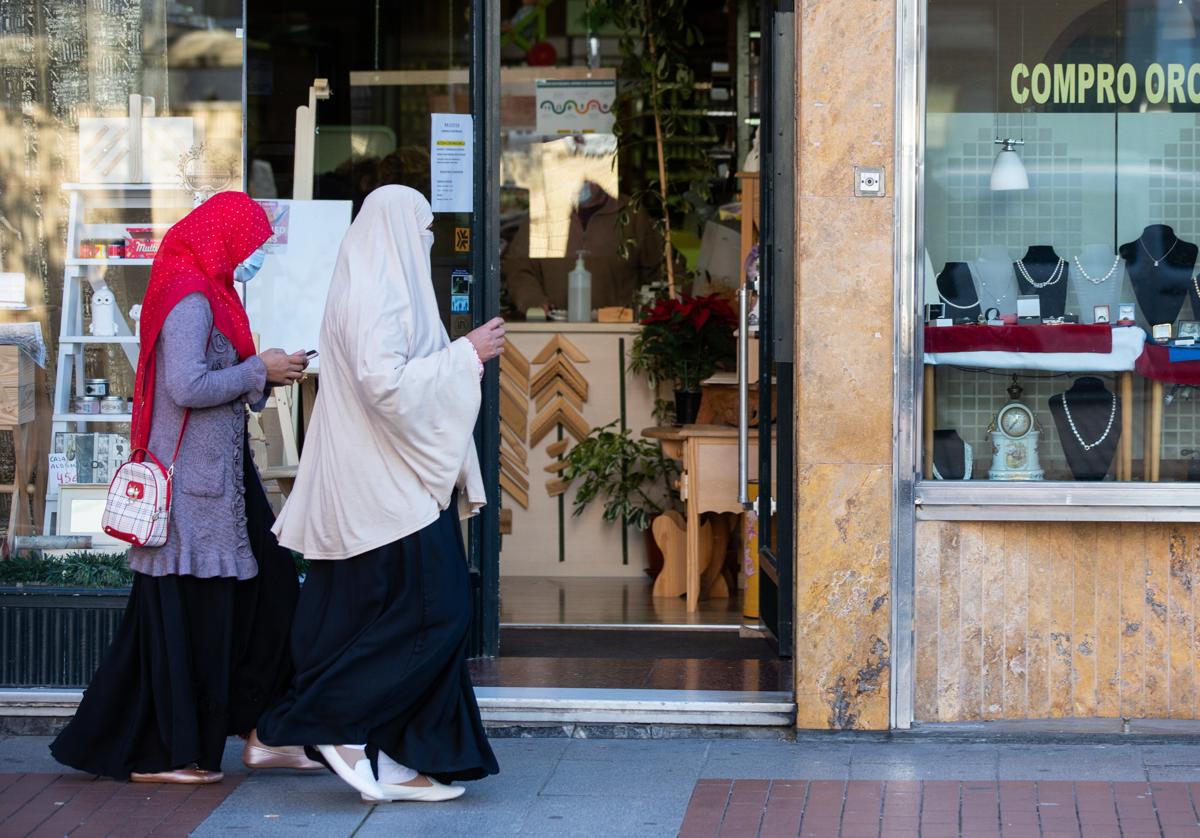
79	275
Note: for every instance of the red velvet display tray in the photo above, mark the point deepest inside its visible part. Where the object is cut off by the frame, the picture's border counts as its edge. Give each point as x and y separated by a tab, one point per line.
1155	364
1066	338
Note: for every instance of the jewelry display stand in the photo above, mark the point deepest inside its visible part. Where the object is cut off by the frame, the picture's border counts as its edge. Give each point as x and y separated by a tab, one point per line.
1042	272
1160	266
956	289
1101	277
952	458
997	279
1088	419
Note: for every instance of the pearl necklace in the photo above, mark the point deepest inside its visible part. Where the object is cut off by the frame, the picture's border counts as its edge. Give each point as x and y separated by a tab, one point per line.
983	285
1055	275
1151	255
1102	279
1196	285
1111	418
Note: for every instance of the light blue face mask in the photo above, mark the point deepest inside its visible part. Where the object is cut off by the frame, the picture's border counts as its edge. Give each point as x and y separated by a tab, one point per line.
250	267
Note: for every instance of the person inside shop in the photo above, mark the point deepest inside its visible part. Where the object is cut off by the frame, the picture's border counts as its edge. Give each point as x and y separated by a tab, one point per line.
389	467
202	648
622	258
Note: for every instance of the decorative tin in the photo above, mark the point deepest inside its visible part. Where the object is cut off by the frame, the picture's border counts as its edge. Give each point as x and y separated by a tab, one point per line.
97	387
87	406
112	405
116	249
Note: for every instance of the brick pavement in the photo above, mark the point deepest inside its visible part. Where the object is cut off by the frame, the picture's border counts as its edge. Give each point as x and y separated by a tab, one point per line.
81	806
933	809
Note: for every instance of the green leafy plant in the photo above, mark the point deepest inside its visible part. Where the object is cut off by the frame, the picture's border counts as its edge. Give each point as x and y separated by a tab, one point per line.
685	341
74	570
633	475
661	125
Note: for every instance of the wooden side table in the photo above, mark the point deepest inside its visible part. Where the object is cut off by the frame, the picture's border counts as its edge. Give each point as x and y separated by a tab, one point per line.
708	482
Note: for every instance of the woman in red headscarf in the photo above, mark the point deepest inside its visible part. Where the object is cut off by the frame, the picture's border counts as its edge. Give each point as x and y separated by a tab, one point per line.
202	647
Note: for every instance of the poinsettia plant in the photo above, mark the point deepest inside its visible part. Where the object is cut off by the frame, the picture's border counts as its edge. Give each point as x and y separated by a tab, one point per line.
685	340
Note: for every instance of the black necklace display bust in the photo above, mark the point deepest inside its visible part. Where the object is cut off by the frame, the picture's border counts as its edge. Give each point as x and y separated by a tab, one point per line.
1048	272
1160	267
956	288
949	455
1088	419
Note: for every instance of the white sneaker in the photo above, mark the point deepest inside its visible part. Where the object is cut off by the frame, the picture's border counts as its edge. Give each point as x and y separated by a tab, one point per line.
435	792
359	776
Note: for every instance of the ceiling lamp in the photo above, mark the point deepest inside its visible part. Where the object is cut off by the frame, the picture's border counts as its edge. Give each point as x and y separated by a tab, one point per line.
1008	172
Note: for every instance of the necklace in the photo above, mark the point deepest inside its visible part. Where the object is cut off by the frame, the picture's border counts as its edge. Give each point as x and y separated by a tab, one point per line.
1111	418
956	305
1151	255
986	286
1196	285
1055	275
1102	279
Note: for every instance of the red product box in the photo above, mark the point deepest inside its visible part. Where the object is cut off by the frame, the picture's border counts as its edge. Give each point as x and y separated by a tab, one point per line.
141	243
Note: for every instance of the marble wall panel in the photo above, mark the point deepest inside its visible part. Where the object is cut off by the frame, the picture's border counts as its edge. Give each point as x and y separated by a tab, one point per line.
842	605
1099	620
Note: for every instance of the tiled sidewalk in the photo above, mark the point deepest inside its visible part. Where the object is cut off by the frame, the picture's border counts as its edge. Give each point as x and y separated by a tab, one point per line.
54	805
867	809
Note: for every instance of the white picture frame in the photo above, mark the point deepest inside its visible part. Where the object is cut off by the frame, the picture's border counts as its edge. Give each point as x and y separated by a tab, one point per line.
1101	314
80	509
1189	329
1127	313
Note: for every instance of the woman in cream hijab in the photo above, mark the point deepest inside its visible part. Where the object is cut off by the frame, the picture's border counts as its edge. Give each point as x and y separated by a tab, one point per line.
379	641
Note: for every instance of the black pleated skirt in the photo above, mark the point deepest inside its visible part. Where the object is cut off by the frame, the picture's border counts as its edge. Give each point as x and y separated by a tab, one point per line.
193	662
380	650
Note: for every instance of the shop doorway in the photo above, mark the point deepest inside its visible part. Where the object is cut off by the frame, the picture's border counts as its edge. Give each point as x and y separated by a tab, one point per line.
543	175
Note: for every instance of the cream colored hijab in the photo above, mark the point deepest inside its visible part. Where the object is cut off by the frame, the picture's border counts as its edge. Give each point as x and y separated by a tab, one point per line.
392	431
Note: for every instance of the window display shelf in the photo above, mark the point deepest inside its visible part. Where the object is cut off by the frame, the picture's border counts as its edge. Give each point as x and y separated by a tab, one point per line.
95	418
90	339
131	262
122	187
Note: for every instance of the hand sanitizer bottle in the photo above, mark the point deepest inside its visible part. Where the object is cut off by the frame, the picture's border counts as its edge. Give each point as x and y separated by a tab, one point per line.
579	293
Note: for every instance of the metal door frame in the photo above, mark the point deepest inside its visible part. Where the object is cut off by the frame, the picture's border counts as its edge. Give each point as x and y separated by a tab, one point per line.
777	276
484	529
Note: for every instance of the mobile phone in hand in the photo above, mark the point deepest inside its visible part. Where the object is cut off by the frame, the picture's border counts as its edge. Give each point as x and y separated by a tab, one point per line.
310	354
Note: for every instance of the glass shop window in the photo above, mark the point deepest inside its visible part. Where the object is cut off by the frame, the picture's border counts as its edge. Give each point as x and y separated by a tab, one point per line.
1062	229
115	117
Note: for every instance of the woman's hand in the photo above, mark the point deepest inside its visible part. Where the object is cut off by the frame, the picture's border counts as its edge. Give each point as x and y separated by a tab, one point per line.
488	339
283	368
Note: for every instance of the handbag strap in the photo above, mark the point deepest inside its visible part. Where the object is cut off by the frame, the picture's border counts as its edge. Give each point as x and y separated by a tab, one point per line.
187	414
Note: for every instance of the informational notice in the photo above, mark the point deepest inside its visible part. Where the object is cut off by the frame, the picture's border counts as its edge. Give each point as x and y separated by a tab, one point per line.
62	471
575	107
451	154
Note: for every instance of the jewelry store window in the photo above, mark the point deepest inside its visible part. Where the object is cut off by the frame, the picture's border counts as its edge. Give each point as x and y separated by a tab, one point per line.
1061	224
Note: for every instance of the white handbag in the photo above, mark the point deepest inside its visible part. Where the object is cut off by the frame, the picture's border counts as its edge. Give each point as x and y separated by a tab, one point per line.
138	507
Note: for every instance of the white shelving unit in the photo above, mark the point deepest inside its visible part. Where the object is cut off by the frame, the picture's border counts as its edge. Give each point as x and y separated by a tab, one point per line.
82	276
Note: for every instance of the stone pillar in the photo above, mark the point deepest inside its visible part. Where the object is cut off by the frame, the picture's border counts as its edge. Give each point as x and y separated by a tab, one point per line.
844	364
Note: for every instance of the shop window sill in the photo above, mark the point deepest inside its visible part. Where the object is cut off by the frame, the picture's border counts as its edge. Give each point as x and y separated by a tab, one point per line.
1054	501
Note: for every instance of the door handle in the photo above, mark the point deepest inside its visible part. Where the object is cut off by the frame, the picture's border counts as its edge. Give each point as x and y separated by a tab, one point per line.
743	359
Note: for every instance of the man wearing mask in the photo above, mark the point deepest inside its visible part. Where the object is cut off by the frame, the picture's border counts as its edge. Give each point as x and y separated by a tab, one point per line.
596	229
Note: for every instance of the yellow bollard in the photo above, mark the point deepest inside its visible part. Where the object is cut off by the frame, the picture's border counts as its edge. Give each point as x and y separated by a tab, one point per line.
750	612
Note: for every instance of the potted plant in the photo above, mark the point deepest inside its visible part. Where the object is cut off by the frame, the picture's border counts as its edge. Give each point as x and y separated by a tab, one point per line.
684	341
58	616
636	480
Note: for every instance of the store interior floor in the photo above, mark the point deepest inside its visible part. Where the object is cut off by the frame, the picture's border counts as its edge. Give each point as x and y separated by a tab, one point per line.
605	633
602	601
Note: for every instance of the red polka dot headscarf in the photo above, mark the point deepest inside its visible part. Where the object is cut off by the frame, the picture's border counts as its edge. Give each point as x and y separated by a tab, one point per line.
198	256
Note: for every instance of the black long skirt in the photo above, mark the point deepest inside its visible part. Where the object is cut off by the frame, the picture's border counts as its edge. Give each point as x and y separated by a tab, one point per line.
379	644
193	662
